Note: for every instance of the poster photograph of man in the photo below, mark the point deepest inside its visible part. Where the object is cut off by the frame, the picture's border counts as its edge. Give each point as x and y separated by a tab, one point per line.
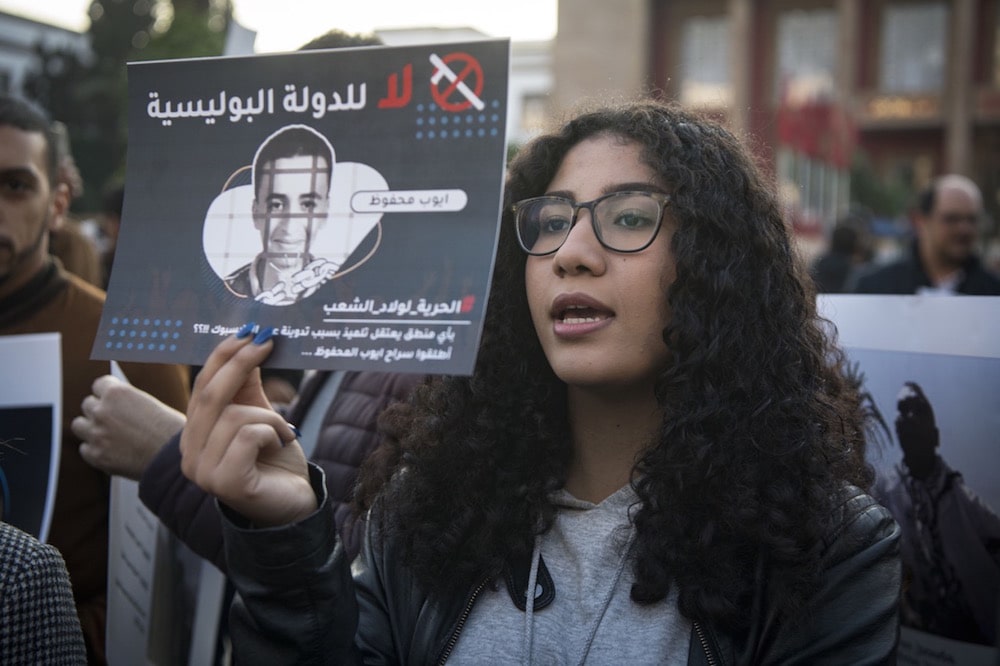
303	229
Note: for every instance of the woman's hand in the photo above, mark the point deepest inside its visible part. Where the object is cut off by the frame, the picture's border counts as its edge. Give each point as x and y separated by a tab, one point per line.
235	446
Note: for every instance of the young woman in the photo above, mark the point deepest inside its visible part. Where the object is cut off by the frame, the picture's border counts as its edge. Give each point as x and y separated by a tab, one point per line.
657	442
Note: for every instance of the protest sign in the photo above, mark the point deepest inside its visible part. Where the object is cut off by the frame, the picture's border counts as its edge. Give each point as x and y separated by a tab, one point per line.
349	198
30	414
931	369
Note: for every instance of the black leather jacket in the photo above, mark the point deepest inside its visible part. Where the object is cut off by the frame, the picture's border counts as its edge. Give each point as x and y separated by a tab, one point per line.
301	604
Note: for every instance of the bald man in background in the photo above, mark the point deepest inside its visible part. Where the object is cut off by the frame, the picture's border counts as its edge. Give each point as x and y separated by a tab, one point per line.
942	259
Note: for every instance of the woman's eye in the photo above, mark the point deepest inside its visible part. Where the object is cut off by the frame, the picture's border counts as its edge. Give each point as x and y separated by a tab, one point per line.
17	186
554	224
633	219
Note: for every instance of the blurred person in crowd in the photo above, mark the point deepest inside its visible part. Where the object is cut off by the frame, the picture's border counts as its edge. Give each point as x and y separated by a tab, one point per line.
950	542
849	250
942	258
37	296
656	458
38	621
68	242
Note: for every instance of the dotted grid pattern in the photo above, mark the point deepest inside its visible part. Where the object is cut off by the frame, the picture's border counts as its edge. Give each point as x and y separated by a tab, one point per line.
437	124
144	334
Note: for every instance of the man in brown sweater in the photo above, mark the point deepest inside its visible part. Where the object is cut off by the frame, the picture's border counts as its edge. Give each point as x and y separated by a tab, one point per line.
38	296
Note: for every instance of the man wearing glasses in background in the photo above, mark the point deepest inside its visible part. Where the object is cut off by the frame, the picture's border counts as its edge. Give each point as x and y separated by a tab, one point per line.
942	259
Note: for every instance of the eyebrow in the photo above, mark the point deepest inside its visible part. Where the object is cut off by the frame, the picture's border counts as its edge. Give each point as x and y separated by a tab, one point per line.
616	187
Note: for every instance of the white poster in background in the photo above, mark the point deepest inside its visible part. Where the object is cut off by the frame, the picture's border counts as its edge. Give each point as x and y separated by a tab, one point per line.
164	602
131	567
949	347
30	424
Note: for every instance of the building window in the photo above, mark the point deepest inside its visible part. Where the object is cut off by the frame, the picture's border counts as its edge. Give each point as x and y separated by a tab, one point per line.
914	44
807	55
534	113
705	79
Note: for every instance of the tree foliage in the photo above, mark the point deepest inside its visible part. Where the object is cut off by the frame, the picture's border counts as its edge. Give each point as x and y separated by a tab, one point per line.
89	94
885	195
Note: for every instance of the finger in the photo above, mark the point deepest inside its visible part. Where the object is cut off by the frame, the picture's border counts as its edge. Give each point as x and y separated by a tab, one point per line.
228	369
278	492
103	383
247	443
202	414
213	391
88	406
219	356
81	427
90	454
239	370
199	462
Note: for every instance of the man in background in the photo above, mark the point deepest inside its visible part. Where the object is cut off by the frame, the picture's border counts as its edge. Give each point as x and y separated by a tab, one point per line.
942	259
69	243
38	296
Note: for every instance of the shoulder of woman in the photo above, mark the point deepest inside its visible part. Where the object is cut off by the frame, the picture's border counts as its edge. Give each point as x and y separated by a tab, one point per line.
859	524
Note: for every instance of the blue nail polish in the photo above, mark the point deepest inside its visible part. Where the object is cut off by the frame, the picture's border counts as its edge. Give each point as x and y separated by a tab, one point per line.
264	335
245	331
298	433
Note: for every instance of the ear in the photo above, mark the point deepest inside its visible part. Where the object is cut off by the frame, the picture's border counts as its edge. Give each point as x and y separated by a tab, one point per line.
58	206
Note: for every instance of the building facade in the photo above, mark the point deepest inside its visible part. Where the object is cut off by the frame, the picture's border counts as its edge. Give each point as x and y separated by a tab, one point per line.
913	85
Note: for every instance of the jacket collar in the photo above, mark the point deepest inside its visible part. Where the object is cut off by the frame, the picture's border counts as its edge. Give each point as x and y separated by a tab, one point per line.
35	294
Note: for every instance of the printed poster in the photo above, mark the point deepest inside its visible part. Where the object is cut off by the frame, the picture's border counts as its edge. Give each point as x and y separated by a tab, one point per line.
349	198
155	584
30	418
931	368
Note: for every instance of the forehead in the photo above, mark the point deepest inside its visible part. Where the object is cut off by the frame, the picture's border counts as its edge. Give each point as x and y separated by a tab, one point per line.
955	197
298	171
20	149
601	162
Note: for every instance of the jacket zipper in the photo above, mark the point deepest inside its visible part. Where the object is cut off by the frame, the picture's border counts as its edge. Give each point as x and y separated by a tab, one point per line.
450	645
704	643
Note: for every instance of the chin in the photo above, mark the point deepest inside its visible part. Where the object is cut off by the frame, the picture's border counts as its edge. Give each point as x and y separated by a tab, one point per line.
609	378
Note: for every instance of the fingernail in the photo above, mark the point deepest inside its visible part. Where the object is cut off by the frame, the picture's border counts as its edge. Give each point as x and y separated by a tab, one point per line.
264	335
298	433
245	331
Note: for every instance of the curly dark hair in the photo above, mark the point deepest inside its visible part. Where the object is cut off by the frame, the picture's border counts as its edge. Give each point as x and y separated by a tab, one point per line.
760	430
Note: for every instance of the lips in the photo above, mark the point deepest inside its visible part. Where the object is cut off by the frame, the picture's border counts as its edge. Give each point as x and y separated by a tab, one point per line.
575	309
286	242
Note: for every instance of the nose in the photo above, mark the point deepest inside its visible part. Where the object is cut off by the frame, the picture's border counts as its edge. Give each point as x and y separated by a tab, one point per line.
581	252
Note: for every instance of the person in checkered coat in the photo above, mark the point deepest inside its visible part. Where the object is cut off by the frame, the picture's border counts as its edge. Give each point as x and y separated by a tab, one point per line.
38	621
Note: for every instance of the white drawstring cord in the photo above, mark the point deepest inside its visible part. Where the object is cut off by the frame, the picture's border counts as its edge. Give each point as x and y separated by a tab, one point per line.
529	608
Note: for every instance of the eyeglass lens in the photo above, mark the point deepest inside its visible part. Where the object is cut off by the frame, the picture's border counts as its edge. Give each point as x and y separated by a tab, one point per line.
624	221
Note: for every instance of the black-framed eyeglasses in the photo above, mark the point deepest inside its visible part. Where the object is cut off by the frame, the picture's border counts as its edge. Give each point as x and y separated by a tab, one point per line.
622	221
